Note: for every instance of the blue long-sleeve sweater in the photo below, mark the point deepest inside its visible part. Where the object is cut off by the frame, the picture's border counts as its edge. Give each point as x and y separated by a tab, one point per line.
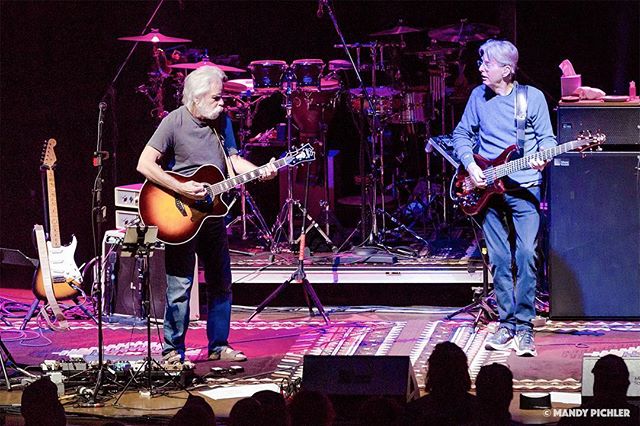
490	118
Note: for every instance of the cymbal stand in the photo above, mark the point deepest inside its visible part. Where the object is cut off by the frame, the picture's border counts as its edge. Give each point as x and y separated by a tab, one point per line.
259	223
438	94
286	212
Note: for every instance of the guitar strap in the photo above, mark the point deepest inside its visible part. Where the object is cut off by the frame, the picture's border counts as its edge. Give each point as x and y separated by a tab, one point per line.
521	114
230	170
47	281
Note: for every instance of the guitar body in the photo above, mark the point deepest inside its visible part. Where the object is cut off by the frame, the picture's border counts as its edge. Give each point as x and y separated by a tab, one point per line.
179	218
63	273
474	201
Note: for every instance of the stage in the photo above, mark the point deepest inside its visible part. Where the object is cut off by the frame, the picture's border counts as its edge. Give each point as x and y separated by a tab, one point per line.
276	341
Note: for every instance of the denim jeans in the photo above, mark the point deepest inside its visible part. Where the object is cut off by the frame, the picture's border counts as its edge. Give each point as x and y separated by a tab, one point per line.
212	247
511	223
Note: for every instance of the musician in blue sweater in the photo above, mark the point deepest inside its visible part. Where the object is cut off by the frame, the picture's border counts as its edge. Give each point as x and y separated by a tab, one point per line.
510	221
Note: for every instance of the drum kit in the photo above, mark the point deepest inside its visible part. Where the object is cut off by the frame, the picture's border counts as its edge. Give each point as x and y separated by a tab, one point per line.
310	90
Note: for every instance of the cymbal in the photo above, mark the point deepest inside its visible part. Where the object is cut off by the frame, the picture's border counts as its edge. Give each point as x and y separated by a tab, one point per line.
154	36
464	32
196	65
397	30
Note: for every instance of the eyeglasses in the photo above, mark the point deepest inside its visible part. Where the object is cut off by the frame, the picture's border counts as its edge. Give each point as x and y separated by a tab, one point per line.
480	62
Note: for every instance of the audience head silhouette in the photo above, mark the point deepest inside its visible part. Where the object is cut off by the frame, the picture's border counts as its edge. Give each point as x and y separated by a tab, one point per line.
274	408
494	386
246	412
40	405
447	371
195	412
380	411
310	408
610	378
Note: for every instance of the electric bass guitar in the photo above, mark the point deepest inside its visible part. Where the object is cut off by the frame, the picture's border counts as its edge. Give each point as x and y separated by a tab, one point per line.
179	218
472	200
65	275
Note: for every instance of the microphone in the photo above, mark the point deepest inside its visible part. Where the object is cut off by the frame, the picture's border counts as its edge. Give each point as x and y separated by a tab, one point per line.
320	11
102	106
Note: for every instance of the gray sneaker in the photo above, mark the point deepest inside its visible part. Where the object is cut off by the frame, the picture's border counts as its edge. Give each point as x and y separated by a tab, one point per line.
525	345
500	341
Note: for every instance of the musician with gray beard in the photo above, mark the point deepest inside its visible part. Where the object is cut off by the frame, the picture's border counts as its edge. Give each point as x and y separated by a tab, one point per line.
189	137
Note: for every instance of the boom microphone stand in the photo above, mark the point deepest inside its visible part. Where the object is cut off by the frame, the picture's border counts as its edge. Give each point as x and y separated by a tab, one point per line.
322	5
99	211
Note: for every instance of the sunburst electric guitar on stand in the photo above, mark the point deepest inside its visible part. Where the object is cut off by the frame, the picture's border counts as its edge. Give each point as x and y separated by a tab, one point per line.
65	275
472	200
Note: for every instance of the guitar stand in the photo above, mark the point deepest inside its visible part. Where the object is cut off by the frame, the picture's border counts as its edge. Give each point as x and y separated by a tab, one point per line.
36	302
6	361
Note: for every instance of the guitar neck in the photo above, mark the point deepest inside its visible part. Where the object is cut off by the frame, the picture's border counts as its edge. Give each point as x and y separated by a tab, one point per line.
54	225
522	163
228	184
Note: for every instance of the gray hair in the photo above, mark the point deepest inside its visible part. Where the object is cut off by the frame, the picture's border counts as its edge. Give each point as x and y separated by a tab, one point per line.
501	51
199	83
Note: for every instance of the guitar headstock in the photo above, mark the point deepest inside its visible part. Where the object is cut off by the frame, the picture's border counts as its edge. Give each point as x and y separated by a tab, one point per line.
48	159
304	154
589	141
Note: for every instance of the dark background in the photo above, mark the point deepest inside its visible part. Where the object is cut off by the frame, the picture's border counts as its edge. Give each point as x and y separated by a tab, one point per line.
58	59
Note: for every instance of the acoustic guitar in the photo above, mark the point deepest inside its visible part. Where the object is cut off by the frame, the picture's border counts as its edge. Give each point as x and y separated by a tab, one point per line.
179	218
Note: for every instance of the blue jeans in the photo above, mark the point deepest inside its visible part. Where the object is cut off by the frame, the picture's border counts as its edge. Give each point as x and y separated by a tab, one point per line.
212	247
511	223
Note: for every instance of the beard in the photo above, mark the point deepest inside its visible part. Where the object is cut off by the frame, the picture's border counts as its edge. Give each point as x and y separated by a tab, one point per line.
210	113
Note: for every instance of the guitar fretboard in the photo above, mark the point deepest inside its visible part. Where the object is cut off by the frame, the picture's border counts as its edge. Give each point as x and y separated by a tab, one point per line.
522	163
54	224
228	184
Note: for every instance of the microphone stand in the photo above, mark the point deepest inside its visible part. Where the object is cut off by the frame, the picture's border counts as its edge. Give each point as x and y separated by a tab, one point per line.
98	212
299	276
372	111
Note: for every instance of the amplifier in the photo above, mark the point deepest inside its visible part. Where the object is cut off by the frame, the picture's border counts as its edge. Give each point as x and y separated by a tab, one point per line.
122	291
621	124
126	218
127	195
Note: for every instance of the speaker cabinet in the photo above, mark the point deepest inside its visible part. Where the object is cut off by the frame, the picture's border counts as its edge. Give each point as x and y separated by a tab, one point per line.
123	289
351	380
594	235
620	124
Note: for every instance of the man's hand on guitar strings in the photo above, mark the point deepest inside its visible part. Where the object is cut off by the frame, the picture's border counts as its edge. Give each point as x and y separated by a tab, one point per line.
192	189
269	171
477	176
537	164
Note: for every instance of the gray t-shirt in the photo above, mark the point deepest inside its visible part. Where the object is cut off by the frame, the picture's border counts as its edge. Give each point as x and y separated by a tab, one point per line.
189	143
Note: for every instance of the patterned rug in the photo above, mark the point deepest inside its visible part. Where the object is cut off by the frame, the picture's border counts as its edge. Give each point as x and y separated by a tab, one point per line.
276	348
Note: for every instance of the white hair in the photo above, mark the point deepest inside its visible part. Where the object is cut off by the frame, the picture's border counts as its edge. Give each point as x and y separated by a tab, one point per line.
199	82
501	51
